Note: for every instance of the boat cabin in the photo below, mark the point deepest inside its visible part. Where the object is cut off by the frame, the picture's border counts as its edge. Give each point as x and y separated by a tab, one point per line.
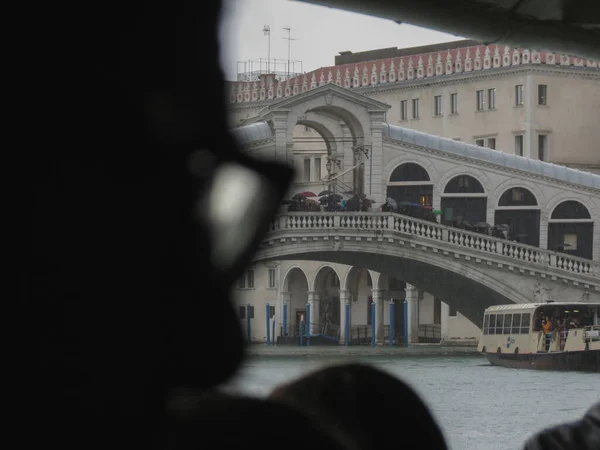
540	327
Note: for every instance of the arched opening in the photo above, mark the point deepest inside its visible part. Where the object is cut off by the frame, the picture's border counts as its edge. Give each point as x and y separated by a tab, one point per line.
410	182
571	229
464	199
295	286
519	212
327	289
360	284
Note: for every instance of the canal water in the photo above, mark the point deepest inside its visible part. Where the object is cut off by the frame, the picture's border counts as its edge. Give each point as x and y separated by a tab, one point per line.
479	406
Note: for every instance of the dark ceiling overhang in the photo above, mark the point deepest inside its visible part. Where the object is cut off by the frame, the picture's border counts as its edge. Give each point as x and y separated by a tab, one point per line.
566	26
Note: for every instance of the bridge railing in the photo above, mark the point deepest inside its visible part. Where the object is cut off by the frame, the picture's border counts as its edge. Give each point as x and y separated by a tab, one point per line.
406	225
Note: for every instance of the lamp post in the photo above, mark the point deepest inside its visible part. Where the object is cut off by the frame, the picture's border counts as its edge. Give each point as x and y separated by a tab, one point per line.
328	168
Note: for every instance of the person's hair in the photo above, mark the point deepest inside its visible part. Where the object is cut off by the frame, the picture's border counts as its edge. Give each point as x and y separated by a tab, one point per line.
359	399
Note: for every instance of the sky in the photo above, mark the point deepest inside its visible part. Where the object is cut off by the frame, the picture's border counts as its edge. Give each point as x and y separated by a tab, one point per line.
320	33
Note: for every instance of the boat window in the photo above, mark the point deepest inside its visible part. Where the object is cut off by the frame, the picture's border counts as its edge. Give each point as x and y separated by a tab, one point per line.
516	324
525	322
507	323
486	324
499	323
492	324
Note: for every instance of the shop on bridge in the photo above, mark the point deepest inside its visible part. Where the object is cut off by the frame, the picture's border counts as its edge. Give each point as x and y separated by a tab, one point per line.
571	229
464	199
519	210
411	183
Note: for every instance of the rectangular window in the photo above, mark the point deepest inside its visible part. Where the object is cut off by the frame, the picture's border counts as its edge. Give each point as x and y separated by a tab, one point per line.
519	95
306	172
271	278
499	323
479	142
525	323
454	103
252	312
542	147
480	100
404	110
542	94
271	312
519	145
242	282
516	325
415	108
437	105
492	143
492	98
486	324
507	323
492	324
317	169
250	279
242	312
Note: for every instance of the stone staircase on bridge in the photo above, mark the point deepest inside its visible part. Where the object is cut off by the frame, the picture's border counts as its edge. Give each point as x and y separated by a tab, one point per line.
469	246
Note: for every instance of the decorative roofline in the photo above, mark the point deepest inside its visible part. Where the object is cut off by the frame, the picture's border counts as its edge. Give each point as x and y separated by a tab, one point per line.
403	71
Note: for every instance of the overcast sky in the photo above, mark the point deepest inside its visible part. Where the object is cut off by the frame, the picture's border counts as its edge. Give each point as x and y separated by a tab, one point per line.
320	33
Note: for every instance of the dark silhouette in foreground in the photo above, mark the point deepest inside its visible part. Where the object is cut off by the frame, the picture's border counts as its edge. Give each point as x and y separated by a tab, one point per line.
359	401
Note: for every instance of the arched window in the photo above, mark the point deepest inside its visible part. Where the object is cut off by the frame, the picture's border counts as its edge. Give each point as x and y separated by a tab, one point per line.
409	172
570	209
517	196
463	184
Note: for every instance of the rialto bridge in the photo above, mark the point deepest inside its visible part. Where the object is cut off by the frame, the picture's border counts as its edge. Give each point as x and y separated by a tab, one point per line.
552	211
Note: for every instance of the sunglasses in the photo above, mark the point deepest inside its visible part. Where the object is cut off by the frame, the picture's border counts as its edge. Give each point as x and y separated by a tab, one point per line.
238	201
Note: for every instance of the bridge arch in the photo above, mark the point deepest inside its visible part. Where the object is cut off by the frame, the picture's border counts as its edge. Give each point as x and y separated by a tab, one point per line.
519	208
319	280
571	229
469	289
410	181
295	286
323	131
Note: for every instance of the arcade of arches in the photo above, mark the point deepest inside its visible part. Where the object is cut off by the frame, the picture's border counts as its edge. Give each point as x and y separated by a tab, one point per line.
327	288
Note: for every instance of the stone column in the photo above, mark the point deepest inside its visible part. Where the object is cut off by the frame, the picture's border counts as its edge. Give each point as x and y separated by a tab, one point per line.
378	299
314	300
444	321
543	229
374	166
412	297
347	156
596	241
344	300
283	153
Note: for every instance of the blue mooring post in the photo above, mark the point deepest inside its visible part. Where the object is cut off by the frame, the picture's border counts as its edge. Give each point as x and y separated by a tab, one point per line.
307	324
406	323
284	319
347	325
372	324
248	323
301	333
392	316
268	327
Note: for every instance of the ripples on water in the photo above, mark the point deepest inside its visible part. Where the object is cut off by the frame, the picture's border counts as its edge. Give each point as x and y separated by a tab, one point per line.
479	407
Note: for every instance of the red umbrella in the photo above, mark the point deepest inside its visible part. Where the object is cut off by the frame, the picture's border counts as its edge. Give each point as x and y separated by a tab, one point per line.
305	194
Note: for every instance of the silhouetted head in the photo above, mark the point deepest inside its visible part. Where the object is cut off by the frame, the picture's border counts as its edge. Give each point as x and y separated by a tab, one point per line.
362	401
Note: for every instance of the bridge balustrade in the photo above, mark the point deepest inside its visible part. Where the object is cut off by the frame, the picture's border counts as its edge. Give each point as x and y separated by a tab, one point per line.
406	225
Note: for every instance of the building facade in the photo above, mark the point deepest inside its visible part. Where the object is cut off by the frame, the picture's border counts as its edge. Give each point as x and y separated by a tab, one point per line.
536	105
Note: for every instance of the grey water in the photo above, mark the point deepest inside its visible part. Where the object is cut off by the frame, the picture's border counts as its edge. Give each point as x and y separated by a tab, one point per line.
478	406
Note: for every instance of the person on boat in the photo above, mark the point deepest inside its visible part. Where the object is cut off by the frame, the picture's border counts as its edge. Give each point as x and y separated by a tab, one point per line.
547	327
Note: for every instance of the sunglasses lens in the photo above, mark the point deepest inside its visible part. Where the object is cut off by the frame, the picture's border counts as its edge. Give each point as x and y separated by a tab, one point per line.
237	203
